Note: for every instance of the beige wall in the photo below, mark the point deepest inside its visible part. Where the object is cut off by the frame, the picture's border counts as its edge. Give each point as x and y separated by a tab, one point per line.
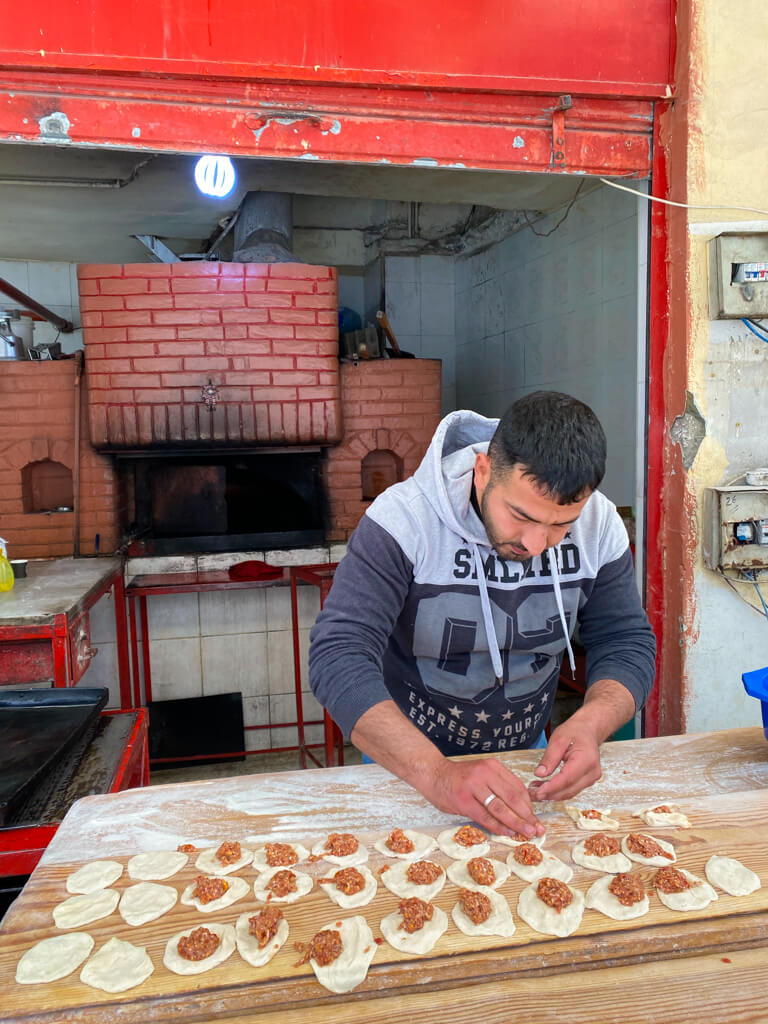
724	93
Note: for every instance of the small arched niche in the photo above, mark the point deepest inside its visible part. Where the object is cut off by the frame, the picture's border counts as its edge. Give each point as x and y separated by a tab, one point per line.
46	486
379	470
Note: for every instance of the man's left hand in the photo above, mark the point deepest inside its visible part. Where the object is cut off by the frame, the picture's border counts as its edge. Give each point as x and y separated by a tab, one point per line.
573	749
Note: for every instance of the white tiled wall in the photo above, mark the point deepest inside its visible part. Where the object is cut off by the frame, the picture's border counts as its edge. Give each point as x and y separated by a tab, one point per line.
53	285
420	306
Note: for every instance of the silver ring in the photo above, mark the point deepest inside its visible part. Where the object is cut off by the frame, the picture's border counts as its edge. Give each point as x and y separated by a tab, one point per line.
491	796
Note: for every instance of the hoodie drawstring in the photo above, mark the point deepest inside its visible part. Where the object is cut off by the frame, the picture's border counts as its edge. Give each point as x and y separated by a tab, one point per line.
553	552
490	626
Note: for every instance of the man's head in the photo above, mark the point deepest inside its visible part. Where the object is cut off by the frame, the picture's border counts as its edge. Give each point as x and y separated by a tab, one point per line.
544	461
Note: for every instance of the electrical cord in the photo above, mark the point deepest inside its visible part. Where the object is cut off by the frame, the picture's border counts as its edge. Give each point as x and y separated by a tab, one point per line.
757	333
752	582
685	206
546	234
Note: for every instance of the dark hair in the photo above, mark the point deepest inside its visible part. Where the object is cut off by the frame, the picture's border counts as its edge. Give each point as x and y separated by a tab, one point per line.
556	439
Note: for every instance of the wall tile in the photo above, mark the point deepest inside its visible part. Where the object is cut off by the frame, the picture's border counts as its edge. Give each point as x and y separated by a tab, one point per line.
176	670
404	307
337	552
256	712
436	270
16	272
400	268
235	663
173	615
51	284
297	556
437	309
102	621
103	672
280	662
232	611
279	606
282	708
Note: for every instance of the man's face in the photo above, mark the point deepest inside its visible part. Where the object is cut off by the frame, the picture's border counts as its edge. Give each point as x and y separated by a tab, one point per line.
521	519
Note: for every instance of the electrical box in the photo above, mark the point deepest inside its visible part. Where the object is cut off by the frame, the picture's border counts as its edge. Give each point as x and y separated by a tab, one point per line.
736	528
738	276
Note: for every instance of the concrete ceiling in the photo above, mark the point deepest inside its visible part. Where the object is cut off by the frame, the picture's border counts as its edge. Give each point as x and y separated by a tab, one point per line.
58	220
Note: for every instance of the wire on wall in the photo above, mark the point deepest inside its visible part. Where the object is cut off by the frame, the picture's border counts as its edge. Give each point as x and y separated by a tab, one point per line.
752	581
685	206
569	207
758	333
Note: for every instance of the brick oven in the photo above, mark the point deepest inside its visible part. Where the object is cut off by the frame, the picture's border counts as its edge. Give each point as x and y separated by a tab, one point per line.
215	415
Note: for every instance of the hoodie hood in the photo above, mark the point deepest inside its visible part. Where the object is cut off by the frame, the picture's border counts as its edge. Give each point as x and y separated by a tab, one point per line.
445	477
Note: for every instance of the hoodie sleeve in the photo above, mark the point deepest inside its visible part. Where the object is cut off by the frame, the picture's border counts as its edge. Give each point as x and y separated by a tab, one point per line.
351	633
615	631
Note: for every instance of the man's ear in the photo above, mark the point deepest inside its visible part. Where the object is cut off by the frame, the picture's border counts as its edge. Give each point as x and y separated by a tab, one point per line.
482	473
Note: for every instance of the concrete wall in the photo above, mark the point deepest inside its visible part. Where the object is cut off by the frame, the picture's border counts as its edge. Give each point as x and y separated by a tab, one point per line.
727	147
559	313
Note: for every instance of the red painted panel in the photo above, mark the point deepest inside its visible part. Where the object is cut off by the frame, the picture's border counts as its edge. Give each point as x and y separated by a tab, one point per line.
601	46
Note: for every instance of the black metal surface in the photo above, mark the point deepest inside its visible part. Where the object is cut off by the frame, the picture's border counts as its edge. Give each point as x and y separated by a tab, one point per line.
179	729
37	729
228	542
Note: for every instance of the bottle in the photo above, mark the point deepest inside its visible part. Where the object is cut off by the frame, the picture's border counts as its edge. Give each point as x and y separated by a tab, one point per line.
6	571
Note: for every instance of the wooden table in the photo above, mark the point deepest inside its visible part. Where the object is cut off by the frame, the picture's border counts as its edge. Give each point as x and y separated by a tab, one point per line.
674	968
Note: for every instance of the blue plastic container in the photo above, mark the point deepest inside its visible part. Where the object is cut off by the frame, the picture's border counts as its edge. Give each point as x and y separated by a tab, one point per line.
756	685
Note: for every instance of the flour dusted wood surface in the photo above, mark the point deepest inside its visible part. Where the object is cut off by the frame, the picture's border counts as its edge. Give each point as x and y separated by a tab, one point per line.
367	801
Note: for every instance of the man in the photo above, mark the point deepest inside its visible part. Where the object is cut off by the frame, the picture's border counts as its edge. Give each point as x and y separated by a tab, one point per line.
448	618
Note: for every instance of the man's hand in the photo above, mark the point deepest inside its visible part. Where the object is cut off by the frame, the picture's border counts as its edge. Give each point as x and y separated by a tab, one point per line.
462	787
574	747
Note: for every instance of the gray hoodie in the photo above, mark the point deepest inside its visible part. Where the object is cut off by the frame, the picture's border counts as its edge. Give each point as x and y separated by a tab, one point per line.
423	611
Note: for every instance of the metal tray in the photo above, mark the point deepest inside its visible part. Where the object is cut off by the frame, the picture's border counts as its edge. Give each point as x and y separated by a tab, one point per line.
37	728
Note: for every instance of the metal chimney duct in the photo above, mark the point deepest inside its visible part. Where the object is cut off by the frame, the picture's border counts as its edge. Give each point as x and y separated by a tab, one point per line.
264	229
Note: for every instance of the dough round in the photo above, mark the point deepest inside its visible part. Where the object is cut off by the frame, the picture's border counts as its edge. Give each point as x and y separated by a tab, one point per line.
654	862
149	867
731	876
602	824
453	849
509	841
210	864
358	899
422	846
350	967
260	855
663	819
458	873
696	898
394	879
547	920
360	856
146	901
238	887
79	910
551	866
418	942
51	959
613	864
499	923
97	875
248	947
117	966
176	963
303	886
600	898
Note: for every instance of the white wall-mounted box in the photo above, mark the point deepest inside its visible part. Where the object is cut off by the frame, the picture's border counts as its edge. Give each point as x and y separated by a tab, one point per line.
736	528
738	276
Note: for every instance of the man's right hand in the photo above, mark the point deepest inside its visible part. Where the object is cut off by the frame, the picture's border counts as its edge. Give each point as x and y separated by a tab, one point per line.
462	787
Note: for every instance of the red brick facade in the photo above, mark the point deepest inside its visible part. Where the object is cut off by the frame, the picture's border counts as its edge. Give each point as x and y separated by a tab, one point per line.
265	334
37	423
389	405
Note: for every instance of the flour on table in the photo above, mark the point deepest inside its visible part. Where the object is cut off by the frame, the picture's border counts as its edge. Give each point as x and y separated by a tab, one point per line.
304	885
176	963
156	865
51	959
545	919
550	866
395	878
700	895
117	966
500	921
458	851
658	860
350	967
145	902
731	876
352	900
99	874
665	815
418	942
612	863
248	946
423	845
599	897
211	865
238	887
458	873
350	860
260	855
79	910
591	819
